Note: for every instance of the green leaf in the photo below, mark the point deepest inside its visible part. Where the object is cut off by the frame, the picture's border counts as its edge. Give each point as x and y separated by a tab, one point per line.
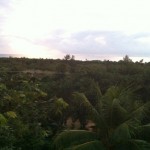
7	97
59	106
3	120
92	145
2	87
11	114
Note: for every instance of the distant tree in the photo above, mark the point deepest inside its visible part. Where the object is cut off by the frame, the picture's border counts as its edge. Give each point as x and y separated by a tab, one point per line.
141	61
69	57
127	59
72	57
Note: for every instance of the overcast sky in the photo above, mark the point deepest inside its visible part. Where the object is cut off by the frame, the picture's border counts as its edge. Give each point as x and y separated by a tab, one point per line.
88	29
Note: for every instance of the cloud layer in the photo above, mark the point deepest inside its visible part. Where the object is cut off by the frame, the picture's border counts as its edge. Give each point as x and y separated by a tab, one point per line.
99	43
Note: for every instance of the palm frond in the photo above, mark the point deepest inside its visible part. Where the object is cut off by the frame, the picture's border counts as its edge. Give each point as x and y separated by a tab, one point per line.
93	113
113	92
139	112
98	94
113	112
118	113
108	100
143	132
70	138
92	145
120	134
139	145
133	145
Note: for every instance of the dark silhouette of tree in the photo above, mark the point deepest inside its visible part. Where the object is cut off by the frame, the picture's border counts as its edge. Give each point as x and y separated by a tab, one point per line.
127	59
69	57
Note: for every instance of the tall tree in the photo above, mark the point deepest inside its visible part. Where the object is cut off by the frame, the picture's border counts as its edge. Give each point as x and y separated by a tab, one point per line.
118	121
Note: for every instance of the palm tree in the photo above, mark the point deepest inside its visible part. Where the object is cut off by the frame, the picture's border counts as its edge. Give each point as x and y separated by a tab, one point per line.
118	116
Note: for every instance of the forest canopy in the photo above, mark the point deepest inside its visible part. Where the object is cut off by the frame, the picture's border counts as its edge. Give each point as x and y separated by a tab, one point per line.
72	104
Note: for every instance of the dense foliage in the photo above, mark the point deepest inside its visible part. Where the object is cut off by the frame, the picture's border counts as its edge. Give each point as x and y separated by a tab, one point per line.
37	96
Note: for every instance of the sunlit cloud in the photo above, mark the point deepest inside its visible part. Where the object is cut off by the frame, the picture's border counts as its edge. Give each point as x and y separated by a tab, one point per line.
31	49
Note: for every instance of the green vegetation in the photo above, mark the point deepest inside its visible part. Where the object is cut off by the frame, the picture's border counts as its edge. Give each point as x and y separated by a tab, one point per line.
48	104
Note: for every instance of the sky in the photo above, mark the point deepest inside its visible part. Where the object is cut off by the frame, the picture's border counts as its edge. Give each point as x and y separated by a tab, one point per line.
87	29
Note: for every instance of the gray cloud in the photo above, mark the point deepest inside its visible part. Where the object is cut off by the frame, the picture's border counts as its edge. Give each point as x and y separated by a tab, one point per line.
99	43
